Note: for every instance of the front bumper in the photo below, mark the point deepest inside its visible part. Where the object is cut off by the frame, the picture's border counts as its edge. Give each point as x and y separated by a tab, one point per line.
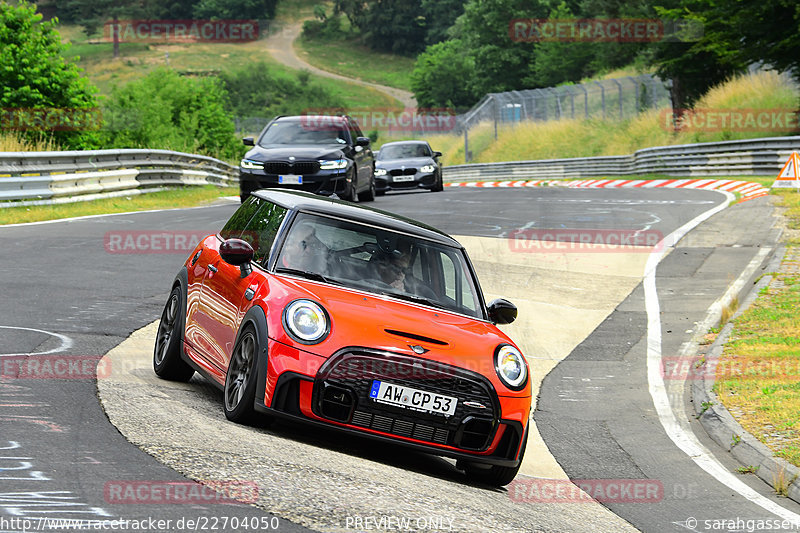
391	183
324	182
334	392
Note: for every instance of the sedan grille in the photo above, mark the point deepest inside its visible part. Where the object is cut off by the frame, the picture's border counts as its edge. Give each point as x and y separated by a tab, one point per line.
349	376
298	167
403	171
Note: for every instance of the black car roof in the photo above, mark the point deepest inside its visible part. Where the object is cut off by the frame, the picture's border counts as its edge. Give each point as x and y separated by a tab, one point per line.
403	142
312	203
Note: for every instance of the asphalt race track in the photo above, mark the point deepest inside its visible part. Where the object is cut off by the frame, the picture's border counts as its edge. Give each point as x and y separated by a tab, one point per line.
69	296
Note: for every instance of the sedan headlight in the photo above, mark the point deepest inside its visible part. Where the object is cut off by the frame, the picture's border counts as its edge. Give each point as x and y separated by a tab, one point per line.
306	321
428	168
380	171
332	164
510	367
250	164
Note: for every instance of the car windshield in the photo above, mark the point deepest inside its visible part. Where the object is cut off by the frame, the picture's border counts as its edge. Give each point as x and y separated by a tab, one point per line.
380	261
403	151
307	130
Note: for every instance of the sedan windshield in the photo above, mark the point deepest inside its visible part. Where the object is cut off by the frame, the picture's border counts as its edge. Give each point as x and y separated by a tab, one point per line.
403	151
381	261
307	130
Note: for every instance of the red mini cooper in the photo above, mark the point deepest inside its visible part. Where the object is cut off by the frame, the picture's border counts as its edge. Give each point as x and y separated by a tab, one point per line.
355	319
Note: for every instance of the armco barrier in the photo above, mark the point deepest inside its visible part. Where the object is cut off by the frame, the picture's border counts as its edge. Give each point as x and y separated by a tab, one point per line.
49	177
751	157
46	177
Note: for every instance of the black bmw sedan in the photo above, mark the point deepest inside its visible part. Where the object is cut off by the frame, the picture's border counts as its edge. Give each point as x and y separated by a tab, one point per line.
405	165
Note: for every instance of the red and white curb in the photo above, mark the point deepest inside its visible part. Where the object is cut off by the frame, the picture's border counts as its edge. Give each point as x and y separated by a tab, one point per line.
747	189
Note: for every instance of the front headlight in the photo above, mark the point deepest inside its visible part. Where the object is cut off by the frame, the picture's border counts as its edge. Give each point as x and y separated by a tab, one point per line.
428	168
510	367
332	164
250	164
306	322
380	171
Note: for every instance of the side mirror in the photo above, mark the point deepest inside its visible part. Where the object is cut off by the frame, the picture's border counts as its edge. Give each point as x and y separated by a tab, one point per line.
437	154
502	311
248	141
239	253
362	141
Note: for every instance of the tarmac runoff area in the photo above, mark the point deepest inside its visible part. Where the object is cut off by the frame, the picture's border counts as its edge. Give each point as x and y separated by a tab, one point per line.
562	297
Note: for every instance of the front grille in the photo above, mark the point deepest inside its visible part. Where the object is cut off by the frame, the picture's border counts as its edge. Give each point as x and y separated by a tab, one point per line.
401	171
301	168
470	427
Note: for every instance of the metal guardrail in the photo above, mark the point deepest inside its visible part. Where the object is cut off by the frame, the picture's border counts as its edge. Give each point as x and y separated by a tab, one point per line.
56	177
751	157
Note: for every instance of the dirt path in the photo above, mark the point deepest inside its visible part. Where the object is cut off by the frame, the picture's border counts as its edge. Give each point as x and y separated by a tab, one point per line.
279	44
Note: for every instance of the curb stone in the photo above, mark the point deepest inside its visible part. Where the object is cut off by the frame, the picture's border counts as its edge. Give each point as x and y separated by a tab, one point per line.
717	420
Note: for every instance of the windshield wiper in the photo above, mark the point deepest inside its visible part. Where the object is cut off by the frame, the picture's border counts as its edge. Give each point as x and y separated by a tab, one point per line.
307	274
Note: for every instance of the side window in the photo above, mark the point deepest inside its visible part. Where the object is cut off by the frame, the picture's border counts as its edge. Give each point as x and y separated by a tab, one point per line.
355	131
238	222
263	228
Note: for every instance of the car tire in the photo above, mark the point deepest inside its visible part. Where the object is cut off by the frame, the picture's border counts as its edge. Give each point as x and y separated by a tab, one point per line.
493	475
349	193
369	194
239	393
244	197
167	362
439	185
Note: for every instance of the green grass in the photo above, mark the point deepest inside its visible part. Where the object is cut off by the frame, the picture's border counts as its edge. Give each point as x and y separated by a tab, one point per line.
137	59
354	60
566	138
758	375
174	198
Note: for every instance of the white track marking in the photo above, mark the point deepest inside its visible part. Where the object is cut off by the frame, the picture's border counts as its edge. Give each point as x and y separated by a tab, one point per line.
686	440
85	217
66	342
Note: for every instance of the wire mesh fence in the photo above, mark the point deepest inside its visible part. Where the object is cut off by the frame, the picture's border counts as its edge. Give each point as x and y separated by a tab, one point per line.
616	98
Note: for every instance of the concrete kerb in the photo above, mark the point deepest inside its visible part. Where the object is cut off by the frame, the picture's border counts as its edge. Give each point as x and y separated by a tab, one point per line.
718	421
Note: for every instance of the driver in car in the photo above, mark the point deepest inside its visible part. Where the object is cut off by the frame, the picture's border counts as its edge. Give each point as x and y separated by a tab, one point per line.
395	270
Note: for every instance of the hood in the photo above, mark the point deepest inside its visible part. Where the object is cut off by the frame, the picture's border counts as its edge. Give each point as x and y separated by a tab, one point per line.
300	152
406	162
362	319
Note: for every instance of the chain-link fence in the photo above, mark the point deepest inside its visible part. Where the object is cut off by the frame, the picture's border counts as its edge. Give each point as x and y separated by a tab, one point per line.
616	98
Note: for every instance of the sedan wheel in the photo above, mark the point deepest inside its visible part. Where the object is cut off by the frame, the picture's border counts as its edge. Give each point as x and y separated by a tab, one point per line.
240	382
167	362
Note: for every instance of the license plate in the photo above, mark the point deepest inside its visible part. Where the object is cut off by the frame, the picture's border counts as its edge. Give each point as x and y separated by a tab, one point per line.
418	400
290	179
403	178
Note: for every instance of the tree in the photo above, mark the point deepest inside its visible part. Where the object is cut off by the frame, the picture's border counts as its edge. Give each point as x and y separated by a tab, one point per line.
501	64
34	75
442	76
165	110
235	9
694	66
395	26
440	15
